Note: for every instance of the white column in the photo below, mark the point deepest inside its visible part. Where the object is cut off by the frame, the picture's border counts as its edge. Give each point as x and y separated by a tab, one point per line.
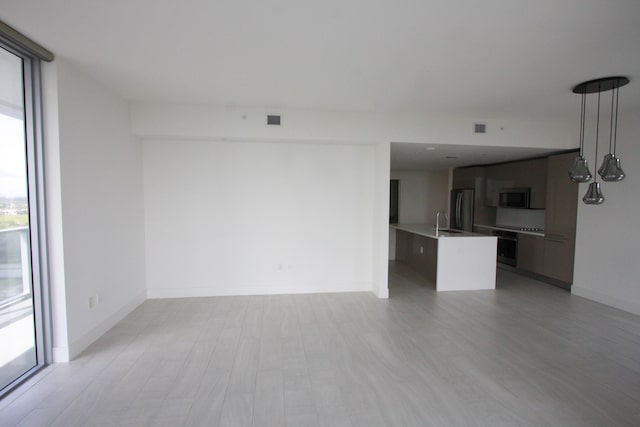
382	176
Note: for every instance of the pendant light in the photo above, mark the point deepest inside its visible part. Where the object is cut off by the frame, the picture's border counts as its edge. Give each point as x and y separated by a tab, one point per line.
594	194
579	171
611	169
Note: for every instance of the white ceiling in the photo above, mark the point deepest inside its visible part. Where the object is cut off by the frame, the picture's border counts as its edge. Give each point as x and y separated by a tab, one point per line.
411	156
482	59
497	58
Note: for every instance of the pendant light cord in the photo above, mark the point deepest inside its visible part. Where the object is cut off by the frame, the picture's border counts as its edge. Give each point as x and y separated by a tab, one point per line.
615	132
595	175
584	96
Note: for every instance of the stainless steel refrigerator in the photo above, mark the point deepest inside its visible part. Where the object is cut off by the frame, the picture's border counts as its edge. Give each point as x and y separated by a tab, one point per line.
461	213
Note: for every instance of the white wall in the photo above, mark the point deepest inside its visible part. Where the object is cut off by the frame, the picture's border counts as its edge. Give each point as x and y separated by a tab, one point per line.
240	124
420	195
97	246
95	206
247	124
231	218
606	263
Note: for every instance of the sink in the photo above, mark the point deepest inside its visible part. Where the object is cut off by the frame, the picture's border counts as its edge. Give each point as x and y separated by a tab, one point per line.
447	233
452	231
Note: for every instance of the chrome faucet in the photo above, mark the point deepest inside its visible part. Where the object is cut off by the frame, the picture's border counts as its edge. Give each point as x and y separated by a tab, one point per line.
438	219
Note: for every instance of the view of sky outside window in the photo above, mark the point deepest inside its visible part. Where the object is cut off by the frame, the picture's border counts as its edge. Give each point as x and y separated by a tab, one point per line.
13	166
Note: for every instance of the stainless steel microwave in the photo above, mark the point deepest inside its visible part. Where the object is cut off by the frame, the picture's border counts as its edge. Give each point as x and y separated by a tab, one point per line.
515	198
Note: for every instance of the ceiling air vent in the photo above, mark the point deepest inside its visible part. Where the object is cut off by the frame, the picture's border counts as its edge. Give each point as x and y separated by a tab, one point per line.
479	128
273	119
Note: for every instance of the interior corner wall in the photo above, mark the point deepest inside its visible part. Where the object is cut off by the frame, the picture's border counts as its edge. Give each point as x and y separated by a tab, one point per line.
607	235
420	195
247	218
97	217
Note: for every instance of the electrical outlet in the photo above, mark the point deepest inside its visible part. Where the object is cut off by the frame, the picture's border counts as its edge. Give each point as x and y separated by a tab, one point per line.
421	250
92	301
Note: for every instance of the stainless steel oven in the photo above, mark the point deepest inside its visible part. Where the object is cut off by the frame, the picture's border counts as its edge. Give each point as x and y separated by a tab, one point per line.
507	246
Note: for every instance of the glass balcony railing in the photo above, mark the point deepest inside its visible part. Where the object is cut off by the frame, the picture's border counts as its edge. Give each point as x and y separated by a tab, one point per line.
15	270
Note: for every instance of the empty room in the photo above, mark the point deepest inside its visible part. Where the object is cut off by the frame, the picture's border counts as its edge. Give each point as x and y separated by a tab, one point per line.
330	213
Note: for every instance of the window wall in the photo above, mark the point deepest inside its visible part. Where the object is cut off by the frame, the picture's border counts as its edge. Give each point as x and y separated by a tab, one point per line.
22	332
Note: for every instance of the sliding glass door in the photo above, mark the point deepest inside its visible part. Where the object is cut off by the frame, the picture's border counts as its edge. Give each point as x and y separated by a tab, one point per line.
20	298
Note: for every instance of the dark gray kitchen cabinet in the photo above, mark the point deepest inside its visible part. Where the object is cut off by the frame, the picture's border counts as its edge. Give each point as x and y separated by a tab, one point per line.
530	174
558	259
562	198
550	256
418	252
531	253
533	175
498	178
560	219
466	177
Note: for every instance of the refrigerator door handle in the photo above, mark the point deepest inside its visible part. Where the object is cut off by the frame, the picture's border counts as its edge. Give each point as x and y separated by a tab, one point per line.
459	210
456	212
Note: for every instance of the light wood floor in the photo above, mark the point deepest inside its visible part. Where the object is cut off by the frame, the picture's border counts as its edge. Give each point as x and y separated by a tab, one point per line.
527	354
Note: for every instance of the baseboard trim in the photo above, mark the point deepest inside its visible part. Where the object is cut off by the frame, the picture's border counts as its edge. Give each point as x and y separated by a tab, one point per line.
382	293
65	354
60	354
555	282
191	292
596	296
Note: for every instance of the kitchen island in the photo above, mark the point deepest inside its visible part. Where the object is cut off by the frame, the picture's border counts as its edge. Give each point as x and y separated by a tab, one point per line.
454	260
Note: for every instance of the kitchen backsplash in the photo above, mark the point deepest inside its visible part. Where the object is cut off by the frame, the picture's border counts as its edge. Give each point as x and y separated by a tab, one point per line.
533	218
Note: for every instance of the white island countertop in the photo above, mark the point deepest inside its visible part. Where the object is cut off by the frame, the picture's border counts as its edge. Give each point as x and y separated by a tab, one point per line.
428	230
464	260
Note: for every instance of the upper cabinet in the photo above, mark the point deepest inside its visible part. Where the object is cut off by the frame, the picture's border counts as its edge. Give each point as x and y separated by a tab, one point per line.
467	177
524	174
497	178
534	176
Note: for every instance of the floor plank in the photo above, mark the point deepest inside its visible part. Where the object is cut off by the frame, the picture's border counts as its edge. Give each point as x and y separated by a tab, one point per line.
526	354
